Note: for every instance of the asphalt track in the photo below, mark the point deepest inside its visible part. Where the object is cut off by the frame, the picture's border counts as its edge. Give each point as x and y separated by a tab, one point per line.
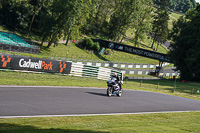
34	101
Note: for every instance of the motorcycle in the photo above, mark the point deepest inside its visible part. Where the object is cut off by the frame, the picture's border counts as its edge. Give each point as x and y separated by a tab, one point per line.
113	87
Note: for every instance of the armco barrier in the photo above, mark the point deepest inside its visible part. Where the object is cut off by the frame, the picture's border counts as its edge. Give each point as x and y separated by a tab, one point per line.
93	71
109	64
118	65
15	62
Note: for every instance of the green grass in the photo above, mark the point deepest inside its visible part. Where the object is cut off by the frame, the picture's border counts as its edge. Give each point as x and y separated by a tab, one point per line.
176	15
74	52
45	79
151	123
173	17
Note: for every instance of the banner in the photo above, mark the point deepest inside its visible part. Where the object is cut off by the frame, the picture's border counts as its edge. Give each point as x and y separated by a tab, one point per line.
34	64
133	50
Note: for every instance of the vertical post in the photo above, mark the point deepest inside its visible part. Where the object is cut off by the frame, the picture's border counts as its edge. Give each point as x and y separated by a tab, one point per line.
192	91
174	88
174	85
140	83
157	85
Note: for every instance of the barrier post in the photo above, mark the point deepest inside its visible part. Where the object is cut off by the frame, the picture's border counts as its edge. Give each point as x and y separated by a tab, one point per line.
157	85
174	85
174	88
192	91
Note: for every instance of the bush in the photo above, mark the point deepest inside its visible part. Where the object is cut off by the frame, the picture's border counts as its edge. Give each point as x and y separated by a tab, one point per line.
96	46
107	52
88	43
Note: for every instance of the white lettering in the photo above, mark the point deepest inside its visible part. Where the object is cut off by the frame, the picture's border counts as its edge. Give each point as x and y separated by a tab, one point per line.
29	64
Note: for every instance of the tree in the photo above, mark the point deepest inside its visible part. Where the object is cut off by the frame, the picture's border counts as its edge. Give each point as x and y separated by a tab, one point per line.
68	16
142	25
160	24
45	24
38	4
186	47
99	17
16	14
123	17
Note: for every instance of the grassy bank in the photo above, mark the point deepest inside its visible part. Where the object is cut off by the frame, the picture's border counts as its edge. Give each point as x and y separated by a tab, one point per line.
151	123
72	51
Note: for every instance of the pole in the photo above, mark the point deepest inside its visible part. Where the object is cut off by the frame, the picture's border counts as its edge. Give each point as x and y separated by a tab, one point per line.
174	85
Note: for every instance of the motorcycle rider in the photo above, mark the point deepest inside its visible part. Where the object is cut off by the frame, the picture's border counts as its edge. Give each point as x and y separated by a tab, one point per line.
118	79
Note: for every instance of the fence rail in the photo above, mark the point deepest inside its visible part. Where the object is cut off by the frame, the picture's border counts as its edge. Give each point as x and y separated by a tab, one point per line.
92	71
15	48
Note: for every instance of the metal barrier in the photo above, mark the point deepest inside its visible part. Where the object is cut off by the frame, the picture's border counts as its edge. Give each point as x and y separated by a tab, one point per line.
90	71
100	63
15	48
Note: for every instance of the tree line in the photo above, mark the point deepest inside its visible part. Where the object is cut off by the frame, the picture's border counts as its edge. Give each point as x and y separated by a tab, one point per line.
185	37
108	19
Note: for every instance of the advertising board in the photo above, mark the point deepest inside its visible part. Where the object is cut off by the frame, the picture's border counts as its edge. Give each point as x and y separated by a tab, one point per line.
15	62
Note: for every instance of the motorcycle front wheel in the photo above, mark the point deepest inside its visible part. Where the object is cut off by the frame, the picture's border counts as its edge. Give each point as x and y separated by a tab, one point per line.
109	91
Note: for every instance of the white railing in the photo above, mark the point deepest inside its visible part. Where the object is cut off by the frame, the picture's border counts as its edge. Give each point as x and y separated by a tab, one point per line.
92	71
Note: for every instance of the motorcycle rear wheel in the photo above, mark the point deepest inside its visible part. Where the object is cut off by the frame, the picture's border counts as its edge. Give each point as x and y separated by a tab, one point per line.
109	91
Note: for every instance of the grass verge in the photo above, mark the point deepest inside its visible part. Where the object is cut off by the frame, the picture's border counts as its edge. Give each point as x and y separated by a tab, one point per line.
151	123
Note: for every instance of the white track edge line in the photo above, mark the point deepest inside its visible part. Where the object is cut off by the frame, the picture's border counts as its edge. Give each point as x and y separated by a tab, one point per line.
106	114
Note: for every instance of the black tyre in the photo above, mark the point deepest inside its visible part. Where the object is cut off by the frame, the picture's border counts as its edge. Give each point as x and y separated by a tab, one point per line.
109	91
119	93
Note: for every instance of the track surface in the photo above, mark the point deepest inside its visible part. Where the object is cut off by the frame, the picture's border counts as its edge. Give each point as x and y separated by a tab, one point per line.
34	101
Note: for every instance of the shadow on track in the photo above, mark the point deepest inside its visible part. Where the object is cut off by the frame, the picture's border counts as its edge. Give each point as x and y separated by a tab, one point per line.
99	94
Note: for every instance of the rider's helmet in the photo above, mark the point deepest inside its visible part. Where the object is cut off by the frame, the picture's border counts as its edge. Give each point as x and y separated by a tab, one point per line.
114	75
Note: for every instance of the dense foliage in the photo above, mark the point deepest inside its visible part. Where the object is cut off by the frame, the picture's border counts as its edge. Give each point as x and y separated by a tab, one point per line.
186	45
160	24
56	19
179	5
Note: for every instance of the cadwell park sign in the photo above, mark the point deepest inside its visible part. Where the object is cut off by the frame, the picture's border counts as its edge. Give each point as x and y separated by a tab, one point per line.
15	62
